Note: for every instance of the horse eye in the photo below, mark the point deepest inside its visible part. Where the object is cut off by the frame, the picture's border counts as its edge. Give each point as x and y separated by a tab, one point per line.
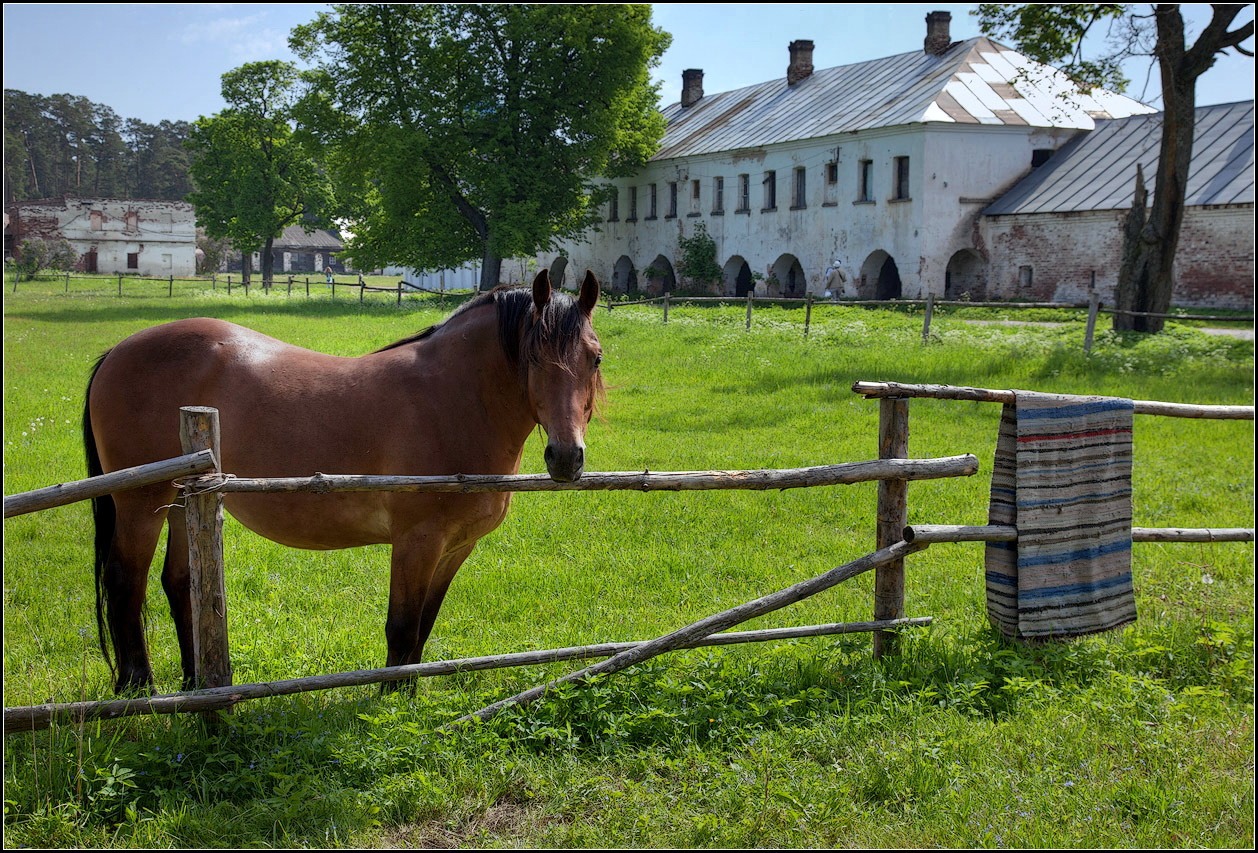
598	359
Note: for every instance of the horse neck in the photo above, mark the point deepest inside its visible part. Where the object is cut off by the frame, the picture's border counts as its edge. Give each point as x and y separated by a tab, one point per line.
487	396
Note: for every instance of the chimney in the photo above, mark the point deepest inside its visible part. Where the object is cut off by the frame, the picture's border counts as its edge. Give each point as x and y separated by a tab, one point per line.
938	37
691	86
801	61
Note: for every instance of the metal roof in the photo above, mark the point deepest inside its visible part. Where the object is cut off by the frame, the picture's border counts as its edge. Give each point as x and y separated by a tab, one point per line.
976	81
1097	170
296	237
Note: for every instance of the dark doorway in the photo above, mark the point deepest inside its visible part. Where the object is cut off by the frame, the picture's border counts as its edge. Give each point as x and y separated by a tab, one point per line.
888	281
742	282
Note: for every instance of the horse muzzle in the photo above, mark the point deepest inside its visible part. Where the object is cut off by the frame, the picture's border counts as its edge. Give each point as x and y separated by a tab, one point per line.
565	463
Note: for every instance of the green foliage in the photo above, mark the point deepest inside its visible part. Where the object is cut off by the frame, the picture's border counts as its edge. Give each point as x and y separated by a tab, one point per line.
471	131
1053	34
65	145
697	261
253	177
1137	738
36	254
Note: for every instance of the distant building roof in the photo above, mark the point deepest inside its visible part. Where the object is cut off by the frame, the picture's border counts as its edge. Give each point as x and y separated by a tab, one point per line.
1097	171
296	237
976	81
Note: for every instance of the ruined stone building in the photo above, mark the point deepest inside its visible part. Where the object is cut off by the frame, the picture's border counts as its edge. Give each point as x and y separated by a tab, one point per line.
141	237
916	174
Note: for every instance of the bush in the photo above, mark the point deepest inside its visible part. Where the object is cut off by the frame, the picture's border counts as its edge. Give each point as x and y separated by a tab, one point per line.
35	255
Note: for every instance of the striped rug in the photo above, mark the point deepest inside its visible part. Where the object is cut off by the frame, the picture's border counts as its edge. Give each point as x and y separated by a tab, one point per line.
1062	476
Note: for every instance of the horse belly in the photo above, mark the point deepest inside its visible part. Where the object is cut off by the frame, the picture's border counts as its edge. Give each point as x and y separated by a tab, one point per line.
315	522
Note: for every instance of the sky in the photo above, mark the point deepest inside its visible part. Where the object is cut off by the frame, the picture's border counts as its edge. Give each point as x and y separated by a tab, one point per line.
165	61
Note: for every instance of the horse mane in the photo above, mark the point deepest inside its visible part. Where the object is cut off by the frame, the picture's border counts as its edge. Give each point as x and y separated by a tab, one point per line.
526	338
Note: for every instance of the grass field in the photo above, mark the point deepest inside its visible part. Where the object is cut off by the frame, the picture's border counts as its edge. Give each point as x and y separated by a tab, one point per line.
1139	738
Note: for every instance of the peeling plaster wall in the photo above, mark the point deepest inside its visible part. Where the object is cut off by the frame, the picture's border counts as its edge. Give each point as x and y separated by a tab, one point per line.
954	171
161	235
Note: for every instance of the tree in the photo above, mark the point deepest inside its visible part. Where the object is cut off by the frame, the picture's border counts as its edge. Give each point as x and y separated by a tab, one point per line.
37	254
253	178
459	132
1053	34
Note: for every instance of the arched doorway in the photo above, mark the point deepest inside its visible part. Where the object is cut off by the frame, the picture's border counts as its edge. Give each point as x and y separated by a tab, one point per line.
787	279
660	278
880	278
966	276
559	272
624	276
736	278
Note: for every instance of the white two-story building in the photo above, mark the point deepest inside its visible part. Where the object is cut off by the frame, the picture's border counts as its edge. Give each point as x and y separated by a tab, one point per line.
885	166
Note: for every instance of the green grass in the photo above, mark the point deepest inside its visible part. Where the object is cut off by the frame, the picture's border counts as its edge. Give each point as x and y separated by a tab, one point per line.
1137	738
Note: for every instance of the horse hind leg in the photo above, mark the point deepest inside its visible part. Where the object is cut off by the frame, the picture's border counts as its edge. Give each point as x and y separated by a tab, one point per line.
123	584
177	583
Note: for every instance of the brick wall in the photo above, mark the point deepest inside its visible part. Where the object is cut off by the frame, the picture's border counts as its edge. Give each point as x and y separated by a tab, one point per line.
1214	265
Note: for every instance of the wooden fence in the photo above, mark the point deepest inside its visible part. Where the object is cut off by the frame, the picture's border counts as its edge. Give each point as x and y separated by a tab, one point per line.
203	496
1093	306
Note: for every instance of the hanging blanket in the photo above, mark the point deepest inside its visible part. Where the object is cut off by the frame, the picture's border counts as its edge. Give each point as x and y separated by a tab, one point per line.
1062	476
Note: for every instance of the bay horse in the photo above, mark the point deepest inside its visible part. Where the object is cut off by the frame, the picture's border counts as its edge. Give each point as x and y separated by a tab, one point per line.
460	397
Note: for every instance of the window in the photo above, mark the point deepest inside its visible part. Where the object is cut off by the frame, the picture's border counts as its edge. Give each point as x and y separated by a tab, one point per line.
901	189
694	198
864	181
672	199
799	196
832	183
633	205
770	183
98	220
133	260
613	206
718	195
744	194
1024	277
1040	156
133	220
651	203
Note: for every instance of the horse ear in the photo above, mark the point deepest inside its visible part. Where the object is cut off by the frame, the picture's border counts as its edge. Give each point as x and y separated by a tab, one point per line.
589	293
541	289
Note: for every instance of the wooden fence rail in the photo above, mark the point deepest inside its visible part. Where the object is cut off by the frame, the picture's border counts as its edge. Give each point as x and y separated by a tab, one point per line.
895	540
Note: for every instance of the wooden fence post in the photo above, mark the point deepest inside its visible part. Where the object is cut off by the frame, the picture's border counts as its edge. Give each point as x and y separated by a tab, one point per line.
119	284
1094	306
666	306
750	296
170	288
930	309
807	312
198	430
67	282
893	443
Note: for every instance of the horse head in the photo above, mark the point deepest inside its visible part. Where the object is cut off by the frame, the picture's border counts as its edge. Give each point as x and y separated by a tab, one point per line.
564	381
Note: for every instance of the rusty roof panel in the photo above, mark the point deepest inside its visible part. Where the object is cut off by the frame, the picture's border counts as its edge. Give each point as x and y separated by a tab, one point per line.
975	82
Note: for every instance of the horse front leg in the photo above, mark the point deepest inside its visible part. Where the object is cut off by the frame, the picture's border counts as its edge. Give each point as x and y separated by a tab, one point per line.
420	575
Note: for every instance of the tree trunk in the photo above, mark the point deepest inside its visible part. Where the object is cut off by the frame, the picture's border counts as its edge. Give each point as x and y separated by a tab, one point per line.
246	266
1146	278
268	262
490	270
1133	274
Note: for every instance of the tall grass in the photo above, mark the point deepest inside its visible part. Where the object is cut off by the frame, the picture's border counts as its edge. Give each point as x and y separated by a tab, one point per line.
1138	738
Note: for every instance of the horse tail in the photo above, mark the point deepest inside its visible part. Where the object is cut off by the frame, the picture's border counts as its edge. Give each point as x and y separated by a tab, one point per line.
104	516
